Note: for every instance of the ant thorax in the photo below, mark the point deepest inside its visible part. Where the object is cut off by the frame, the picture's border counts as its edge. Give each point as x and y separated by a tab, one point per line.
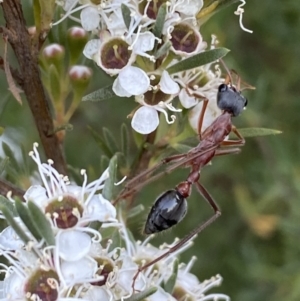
231	100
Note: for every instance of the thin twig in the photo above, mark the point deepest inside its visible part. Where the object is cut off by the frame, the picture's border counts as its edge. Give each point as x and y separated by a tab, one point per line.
6	187
26	52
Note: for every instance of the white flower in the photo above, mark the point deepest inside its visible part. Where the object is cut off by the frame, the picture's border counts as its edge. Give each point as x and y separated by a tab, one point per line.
131	81
145	120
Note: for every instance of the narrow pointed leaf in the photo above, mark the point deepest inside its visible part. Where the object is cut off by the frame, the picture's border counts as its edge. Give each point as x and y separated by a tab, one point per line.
41	223
101	94
101	143
4	202
110	141
170	283
109	185
137	210
256	132
3	164
125	140
211	8
10	154
142	295
26	219
181	148
10	220
126	15
25	164
198	60
104	162
160	20
163	49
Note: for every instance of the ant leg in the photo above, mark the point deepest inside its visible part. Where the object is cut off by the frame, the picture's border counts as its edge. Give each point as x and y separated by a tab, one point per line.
227	151
217	212
140	180
228	78
201	117
240	142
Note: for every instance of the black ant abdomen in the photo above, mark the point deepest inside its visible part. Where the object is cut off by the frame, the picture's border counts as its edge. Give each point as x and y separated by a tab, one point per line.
168	210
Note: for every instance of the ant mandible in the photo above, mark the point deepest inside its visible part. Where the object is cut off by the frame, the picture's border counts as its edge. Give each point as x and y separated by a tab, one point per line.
171	206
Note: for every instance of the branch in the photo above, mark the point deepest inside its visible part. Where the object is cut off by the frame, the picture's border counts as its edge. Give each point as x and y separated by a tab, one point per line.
6	187
27	55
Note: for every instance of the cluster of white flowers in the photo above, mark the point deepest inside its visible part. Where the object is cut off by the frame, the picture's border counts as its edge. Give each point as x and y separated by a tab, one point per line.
81	264
128	46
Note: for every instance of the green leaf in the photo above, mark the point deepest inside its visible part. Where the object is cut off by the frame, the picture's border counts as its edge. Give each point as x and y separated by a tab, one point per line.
142	295
109	185
41	223
101	94
137	210
101	143
126	15
26	219
3	164
104	162
181	148
110	141
211	7
160	20
198	60
10	154
256	132
125	140
163	49
4	202
10	220
170	283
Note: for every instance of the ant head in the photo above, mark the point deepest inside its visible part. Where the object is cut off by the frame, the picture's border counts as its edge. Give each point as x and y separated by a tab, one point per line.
231	100
229	97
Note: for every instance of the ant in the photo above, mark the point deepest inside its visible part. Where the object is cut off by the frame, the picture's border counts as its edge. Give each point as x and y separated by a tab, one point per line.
171	206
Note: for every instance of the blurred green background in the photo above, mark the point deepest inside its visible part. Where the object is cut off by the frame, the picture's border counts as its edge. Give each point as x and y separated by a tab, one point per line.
254	245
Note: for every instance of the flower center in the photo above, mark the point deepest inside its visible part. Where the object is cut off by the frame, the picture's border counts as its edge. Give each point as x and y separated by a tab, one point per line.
151	8
115	54
184	38
105	268
66	212
42	284
155	96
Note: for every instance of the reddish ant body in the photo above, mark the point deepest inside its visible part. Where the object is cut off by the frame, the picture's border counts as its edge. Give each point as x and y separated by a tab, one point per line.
170	207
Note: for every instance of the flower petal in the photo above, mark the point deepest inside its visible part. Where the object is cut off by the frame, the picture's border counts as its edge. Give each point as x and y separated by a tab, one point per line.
84	268
145	42
91	48
145	120
9	240
73	245
90	18
37	194
186	100
134	80
167	84
100	209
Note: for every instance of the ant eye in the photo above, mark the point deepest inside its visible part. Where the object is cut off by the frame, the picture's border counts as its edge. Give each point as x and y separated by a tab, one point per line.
246	102
223	88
